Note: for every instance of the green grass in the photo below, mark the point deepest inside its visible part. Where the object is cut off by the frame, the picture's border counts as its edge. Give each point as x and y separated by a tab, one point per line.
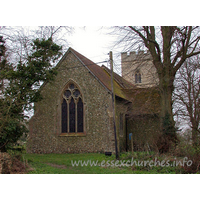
41	164
61	164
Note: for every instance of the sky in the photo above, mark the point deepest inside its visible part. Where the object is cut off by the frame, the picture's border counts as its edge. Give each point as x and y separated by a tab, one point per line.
94	42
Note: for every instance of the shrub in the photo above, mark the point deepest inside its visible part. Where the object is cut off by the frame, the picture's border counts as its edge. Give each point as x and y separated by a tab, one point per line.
186	149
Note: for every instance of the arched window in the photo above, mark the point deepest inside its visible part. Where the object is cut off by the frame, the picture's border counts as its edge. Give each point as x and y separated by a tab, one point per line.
72	110
138	78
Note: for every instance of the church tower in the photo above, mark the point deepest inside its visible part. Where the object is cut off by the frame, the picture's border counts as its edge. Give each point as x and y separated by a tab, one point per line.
138	69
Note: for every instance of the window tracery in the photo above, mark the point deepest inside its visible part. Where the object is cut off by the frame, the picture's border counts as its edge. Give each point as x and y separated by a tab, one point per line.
72	110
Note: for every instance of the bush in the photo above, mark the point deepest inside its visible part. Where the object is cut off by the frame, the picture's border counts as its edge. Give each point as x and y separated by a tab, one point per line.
10	133
186	149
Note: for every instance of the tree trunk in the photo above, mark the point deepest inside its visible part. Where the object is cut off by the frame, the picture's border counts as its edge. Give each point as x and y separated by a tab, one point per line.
167	121
194	138
195	132
167	125
166	102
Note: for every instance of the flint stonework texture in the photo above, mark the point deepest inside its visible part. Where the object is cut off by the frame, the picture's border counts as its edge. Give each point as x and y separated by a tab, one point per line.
45	125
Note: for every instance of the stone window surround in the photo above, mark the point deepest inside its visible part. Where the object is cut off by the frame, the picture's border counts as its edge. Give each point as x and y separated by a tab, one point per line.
78	134
138	74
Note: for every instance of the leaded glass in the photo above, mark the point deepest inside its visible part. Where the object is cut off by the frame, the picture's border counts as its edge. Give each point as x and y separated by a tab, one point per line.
64	116
71	86
76	93
67	93
72	116
72	110
140	79
80	116
136	77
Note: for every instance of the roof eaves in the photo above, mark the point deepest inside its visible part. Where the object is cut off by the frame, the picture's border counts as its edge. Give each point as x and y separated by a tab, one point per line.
120	80
107	70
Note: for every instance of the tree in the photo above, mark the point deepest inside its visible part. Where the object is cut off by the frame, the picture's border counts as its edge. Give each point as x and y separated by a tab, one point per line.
2	61
22	89
31	54
187	96
169	47
19	39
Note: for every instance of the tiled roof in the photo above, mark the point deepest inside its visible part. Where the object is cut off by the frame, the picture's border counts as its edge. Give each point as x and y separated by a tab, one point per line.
144	100
103	76
121	81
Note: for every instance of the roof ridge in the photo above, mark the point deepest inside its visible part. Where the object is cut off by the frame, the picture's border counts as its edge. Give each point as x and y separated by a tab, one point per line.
90	65
100	74
79	54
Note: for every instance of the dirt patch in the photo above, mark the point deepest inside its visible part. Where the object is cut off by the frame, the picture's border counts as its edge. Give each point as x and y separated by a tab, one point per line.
57	166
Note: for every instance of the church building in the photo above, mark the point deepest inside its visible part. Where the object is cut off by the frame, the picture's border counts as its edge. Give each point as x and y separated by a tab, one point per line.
76	115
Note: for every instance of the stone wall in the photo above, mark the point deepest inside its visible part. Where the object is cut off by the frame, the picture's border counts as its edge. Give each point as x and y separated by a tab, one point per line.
145	130
143	63
121	110
45	125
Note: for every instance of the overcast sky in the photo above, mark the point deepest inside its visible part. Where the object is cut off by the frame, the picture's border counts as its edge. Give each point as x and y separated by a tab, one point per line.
94	42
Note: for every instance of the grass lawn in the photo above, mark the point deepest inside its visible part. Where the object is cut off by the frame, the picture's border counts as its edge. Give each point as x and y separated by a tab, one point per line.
62	164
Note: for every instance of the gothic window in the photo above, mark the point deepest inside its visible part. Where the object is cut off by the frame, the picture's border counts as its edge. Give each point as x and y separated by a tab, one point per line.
72	110
138	78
